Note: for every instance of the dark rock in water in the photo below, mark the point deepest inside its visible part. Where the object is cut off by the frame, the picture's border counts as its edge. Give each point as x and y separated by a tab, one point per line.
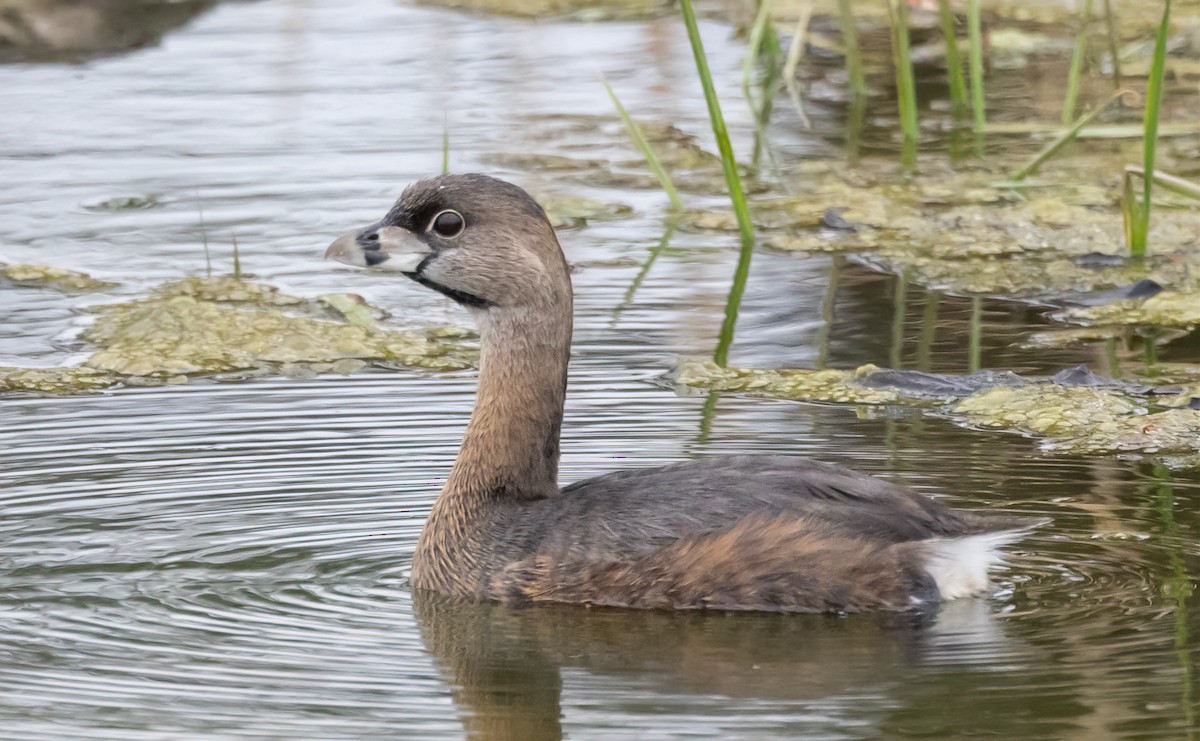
1194	403
1100	261
1144	288
1081	375
832	219
920	383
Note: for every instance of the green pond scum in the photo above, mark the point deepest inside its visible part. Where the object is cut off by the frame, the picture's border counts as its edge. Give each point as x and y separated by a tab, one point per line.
1107	419
228	328
47	276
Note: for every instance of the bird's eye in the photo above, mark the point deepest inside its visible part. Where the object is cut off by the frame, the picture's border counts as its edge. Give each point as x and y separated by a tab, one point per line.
448	224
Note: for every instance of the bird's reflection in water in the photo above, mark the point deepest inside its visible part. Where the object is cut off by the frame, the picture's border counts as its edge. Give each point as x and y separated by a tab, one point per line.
504	664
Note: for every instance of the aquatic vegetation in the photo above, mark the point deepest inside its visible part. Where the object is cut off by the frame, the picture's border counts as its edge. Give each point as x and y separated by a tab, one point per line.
123	203
210	326
1167	309
48	276
569	211
1075	412
799	384
1084	421
55	380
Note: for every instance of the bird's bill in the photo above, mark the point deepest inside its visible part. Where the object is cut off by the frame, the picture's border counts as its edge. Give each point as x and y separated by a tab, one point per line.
390	248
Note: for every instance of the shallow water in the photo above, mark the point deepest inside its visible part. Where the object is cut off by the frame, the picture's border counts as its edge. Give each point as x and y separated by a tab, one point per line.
223	560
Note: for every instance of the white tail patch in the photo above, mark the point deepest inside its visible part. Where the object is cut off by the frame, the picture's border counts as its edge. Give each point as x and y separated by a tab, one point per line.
960	565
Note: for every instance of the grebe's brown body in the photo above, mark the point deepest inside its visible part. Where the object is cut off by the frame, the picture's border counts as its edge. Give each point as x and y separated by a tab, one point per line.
742	532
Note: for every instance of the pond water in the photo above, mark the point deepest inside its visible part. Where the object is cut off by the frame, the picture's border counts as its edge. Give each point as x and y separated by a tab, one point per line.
228	560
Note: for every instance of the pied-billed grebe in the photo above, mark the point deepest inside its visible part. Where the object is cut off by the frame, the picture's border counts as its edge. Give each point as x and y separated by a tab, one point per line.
739	532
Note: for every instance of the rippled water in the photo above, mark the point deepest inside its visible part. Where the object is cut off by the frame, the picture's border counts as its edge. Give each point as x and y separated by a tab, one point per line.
228	560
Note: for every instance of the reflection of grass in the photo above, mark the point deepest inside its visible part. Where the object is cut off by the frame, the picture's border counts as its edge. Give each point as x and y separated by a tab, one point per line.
828	307
1137	215
732	179
643	146
1178	587
645	269
899	306
928	330
906	89
975	342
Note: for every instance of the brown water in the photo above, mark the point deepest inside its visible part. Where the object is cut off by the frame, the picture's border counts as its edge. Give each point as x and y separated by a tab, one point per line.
224	560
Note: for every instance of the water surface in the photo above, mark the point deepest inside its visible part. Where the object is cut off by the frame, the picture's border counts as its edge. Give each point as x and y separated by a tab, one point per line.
223	560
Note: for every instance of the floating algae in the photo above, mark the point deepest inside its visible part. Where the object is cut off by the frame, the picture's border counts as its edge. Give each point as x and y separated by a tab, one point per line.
1167	309
47	276
239	328
568	211
1076	412
55	380
797	384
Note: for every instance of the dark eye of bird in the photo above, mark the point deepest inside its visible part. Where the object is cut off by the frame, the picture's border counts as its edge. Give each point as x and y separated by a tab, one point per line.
448	224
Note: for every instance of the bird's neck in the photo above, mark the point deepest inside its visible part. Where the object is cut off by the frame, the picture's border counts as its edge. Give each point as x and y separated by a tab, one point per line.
511	446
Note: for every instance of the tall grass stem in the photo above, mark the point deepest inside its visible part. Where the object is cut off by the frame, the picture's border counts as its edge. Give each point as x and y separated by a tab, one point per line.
975	42
1154	88
906	89
954	65
854	65
732	179
1057	144
795	52
1078	56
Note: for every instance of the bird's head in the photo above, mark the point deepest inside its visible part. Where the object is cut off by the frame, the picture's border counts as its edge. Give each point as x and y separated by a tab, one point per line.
480	241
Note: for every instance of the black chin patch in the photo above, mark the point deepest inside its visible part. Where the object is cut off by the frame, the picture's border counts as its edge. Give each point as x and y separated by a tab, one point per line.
461	297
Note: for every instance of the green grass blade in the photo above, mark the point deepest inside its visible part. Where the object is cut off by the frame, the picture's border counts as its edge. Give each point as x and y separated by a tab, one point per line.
906	89
975	39
732	179
1150	137
643	146
445	147
1176	185
237	260
854	66
1065	138
1077	59
1129	208
954	65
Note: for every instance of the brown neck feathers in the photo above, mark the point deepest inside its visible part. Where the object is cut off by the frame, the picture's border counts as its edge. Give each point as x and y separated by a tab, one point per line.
510	450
